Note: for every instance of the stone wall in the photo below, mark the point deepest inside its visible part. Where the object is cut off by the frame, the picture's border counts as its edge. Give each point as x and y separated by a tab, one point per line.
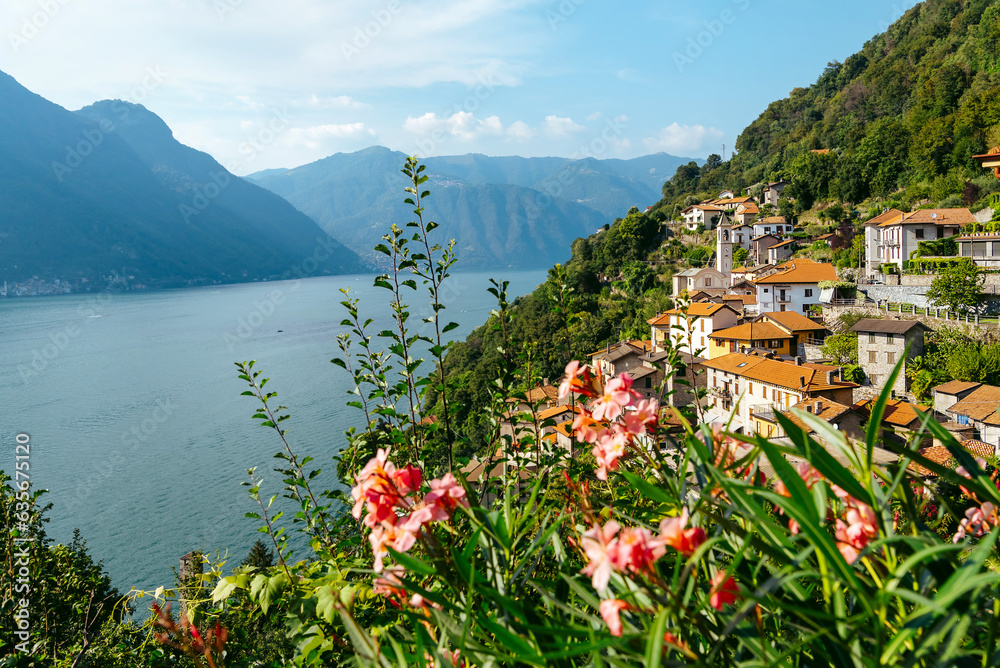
900	294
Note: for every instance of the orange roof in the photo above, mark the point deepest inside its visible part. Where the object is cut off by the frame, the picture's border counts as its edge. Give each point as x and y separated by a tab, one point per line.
750	207
774	219
820	151
981	405
892	215
701	309
956	387
792	321
941	216
776	372
829	411
898	413
545	392
802	271
751	331
556	411
941	456
747	300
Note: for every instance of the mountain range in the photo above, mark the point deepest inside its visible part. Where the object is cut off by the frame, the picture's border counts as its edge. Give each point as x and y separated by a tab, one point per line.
108	192
501	211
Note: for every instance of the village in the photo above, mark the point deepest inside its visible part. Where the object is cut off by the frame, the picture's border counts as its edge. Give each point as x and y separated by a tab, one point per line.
750	338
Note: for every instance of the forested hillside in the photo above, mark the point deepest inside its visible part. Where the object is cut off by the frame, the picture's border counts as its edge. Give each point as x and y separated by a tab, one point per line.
904	115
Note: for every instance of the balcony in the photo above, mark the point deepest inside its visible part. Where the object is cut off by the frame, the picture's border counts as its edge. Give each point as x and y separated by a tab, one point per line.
720	393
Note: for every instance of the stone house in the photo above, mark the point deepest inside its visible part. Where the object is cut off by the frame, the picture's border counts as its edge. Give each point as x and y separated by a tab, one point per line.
709	280
842	417
759	246
772	192
781	251
884	343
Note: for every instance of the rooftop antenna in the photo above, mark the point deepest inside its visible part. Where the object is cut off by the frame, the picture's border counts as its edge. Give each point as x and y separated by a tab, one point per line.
723	153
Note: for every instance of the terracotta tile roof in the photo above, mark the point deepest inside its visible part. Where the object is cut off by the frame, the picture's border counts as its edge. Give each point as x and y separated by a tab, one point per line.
889	216
820	151
774	220
829	411
545	392
824	237
940	217
701	309
792	321
941	456
740	200
884	326
783	374
802	271
556	411
622	349
785	243
750	208
747	300
897	413
751	331
981	405
956	387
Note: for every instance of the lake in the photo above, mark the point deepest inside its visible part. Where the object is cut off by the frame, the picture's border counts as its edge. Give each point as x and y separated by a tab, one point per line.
133	407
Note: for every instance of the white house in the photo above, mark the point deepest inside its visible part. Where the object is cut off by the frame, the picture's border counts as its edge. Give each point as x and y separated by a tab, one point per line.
708	215
694	326
707	279
795	287
772	225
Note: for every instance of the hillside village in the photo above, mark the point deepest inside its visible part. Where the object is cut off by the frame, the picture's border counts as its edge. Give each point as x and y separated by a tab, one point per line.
750	333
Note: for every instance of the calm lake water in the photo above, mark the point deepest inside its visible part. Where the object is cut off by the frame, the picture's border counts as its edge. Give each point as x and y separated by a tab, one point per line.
135	416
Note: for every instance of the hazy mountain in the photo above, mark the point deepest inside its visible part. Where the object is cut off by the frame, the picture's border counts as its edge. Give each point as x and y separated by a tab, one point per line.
502	211
108	190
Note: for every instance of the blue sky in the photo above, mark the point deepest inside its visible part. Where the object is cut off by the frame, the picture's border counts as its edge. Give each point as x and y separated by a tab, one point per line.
278	83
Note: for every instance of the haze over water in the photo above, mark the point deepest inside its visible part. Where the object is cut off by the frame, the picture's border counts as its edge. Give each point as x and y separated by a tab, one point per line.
134	410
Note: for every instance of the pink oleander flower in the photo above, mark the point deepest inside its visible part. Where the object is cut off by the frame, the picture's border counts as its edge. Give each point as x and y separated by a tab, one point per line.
587	430
600	545
390	583
446	494
977	522
968	476
407	480
638	551
858	530
617	395
381	489
809	475
674	533
847	550
609	449
644	415
395	536
576	380
610	611
724	591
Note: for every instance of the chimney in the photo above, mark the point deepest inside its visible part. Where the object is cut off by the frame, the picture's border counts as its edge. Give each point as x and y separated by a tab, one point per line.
829	377
809	408
819	407
802	381
798	360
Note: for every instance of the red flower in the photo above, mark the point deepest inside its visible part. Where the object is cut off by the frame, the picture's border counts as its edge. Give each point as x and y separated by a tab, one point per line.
610	611
724	590
674	534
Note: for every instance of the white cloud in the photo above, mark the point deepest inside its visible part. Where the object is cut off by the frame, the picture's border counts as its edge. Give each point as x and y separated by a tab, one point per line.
520	131
681	139
596	116
461	124
561	126
314	137
333	102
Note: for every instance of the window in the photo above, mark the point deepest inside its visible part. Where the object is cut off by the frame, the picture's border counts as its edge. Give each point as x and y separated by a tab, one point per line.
890	358
750	389
782	307
775	344
871	356
809	292
649	382
871	337
708	282
680	371
764	392
703	325
770	429
889	339
766	291
920	232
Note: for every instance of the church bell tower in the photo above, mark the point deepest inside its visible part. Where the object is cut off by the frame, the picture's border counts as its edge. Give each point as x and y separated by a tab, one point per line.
724	250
